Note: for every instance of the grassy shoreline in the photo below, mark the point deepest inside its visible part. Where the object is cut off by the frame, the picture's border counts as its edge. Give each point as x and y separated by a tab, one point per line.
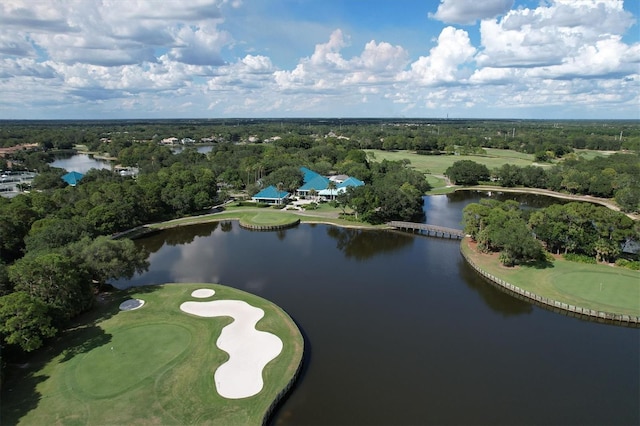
597	287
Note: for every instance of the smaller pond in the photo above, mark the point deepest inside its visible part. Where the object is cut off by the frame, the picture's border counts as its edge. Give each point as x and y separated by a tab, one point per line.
80	163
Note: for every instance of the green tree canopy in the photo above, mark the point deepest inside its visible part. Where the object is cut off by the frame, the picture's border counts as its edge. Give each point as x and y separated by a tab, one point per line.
467	172
24	321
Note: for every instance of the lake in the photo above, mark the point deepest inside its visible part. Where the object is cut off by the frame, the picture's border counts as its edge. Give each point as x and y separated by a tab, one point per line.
399	330
80	163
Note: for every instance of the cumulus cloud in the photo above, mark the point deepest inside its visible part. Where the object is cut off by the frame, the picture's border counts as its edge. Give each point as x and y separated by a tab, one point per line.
326	69
113	33
549	35
470	11
443	63
200	45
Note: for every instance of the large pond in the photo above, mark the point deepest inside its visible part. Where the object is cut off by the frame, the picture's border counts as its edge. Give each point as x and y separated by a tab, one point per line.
80	163
400	331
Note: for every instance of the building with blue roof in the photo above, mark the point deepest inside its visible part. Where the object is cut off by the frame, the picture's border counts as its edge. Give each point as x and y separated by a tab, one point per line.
72	178
271	195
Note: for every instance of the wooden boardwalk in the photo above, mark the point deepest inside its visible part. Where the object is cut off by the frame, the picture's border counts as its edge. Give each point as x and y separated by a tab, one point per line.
430	230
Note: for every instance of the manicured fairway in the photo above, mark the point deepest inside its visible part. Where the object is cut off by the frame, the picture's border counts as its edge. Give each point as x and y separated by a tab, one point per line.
153	365
598	287
437	164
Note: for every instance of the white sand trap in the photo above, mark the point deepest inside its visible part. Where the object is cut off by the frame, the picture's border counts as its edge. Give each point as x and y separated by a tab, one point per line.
249	349
203	293
131	304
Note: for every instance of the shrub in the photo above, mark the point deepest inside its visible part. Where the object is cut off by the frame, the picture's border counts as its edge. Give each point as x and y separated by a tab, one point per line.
630	264
580	258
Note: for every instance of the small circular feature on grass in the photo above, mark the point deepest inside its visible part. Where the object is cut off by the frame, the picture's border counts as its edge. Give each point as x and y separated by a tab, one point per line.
268	221
131	304
203	293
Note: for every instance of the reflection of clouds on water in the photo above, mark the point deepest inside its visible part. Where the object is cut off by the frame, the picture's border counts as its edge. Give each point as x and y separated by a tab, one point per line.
81	163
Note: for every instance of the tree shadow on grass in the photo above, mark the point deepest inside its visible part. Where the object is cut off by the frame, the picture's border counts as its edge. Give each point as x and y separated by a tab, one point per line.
23	372
539	264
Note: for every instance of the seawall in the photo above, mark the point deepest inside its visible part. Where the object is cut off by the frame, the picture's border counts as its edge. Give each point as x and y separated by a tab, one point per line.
554	305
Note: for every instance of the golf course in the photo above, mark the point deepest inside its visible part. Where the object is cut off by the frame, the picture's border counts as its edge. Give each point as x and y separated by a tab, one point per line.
154	361
598	287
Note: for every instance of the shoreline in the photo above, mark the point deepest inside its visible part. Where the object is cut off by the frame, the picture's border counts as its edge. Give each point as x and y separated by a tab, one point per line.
613	318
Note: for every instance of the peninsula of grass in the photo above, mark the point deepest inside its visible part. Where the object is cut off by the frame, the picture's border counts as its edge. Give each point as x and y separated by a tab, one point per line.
153	365
598	287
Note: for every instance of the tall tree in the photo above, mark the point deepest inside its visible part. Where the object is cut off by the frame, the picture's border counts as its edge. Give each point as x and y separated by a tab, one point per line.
24	321
107	259
57	280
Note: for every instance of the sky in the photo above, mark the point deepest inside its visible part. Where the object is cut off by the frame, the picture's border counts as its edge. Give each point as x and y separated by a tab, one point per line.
135	59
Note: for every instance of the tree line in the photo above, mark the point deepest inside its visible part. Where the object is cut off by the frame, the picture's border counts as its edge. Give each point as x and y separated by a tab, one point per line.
615	176
524	236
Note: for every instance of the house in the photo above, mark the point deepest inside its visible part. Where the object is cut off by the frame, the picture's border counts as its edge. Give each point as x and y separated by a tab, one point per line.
331	194
312	181
320	184
271	195
169	141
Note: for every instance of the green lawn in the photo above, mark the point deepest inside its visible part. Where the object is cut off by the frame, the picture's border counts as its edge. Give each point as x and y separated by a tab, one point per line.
153	365
437	164
598	287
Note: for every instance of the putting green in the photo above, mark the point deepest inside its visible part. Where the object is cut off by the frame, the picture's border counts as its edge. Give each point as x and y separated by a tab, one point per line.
143	350
598	287
160	371
268	219
595	287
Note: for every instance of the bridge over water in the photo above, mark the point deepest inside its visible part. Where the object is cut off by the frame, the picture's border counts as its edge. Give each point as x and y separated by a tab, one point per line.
430	230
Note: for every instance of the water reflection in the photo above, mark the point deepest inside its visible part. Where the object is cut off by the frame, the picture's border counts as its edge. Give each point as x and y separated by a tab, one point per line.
494	298
80	163
361	245
408	333
184	235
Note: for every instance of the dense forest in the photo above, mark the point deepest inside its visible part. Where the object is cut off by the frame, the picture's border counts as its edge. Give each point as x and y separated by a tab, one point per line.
56	248
586	231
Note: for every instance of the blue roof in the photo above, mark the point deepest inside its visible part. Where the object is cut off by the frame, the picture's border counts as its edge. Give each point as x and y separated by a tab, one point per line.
317	183
72	178
272	193
309	174
350	182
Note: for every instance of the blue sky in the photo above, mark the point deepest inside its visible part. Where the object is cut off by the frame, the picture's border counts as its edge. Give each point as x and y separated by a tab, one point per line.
529	59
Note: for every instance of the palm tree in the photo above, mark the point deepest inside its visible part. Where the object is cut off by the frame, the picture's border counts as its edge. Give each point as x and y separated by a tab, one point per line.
332	187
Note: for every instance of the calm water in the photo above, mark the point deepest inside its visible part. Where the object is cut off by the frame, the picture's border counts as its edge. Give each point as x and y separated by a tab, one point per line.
80	163
399	330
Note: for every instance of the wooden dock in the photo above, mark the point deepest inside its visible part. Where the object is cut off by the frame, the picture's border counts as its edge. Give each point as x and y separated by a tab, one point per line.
430	230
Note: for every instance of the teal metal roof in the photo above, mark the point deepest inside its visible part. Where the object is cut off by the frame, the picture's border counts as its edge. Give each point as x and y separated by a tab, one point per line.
308	175
318	183
72	178
271	193
350	182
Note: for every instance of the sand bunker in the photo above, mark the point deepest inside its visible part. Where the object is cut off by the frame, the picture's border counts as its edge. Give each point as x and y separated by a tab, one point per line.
203	293
131	304
249	349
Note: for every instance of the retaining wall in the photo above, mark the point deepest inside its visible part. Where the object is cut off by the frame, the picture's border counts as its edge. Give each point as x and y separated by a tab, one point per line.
269	227
556	306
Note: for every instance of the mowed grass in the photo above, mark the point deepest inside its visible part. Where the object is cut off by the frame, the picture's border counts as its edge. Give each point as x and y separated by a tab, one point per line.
437	164
269	218
598	287
150	366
